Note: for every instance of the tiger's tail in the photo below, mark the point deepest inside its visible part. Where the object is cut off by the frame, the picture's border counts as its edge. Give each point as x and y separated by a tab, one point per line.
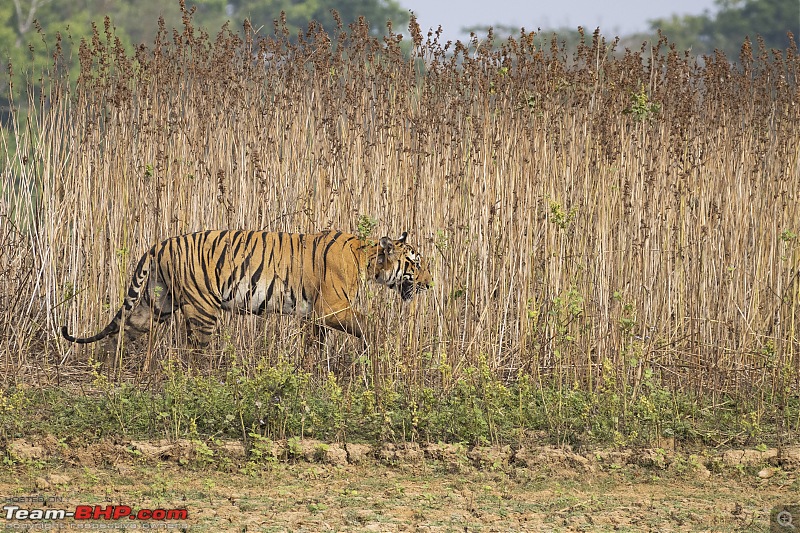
110	329
140	277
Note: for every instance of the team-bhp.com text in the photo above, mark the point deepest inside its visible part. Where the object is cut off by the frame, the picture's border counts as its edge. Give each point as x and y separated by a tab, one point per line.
94	512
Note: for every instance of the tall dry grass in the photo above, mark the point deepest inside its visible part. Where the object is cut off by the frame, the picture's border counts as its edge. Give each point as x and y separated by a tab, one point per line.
593	219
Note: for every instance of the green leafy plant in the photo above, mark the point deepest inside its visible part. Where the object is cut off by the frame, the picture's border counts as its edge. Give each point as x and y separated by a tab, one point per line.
641	107
365	226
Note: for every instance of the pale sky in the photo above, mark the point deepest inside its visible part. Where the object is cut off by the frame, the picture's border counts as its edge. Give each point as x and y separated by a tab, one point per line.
614	17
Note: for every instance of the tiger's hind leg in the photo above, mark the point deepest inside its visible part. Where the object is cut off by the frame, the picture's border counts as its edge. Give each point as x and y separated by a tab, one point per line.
155	306
200	327
130	329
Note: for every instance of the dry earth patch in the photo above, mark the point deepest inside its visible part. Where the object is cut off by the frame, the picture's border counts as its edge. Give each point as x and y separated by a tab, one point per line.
314	486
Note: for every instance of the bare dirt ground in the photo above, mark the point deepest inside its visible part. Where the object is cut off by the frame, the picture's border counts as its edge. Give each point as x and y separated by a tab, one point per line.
311	486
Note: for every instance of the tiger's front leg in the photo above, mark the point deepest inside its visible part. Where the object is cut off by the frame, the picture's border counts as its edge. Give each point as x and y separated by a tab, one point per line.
346	320
200	325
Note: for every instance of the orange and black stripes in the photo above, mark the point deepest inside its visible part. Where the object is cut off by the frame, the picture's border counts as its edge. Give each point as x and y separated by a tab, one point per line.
205	273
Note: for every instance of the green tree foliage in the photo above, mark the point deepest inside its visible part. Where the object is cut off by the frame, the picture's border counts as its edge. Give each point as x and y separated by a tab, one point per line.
735	19
262	13
136	22
35	32
702	34
29	28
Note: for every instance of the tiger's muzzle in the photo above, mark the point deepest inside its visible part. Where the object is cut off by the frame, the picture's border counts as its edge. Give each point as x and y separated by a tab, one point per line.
410	286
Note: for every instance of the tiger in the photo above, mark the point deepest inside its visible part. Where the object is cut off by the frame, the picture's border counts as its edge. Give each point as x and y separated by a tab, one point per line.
316	275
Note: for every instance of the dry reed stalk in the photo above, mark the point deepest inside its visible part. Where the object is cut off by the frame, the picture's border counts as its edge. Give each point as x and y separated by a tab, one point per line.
570	233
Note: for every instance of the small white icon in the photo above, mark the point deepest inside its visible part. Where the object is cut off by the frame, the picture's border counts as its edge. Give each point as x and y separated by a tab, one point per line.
784	519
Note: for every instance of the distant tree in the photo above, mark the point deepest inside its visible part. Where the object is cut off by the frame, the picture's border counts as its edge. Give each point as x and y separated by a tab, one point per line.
734	20
25	12
686	32
702	34
567	38
262	13
771	19
137	22
139	19
28	28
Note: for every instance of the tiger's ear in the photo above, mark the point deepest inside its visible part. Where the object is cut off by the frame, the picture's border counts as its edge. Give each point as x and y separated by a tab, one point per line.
403	237
387	245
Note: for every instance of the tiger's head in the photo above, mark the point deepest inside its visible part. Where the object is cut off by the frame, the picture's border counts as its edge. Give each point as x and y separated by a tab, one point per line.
399	266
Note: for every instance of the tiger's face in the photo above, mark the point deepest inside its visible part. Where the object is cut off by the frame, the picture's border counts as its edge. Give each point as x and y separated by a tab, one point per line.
402	268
